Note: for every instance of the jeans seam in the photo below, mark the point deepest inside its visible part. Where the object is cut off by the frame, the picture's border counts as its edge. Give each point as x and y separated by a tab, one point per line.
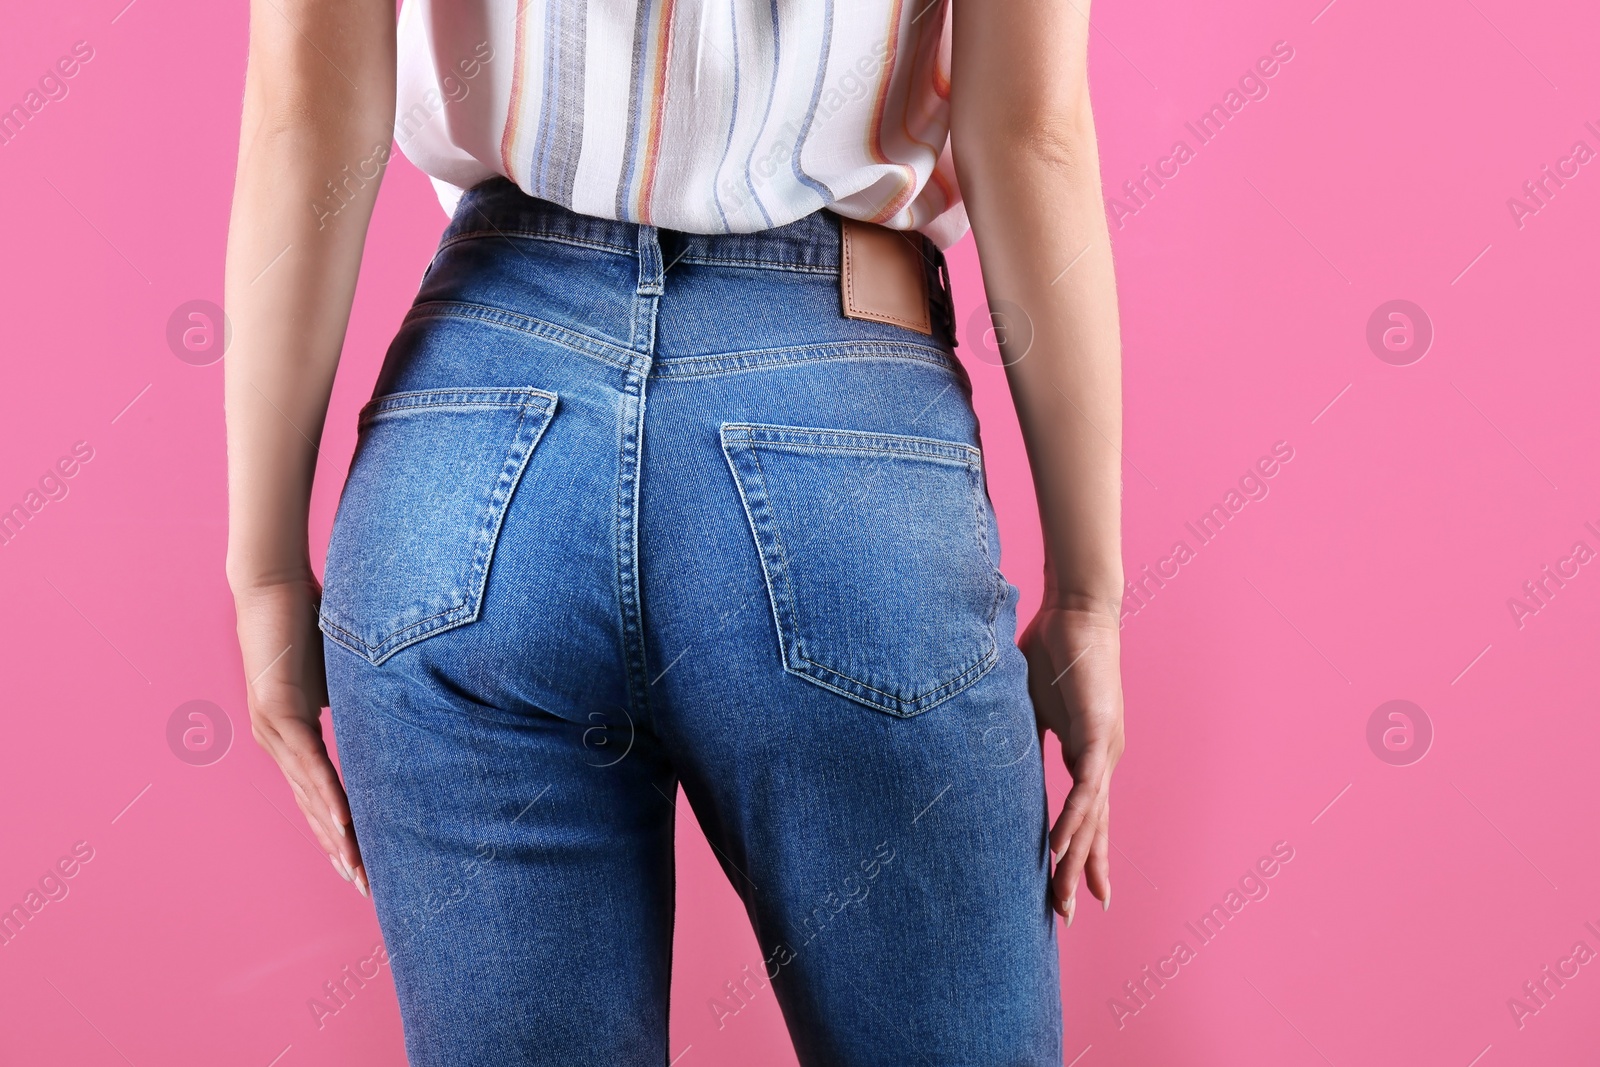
384	405
979	492
783	564
642	335
761	555
608	352
979	667
966	459
630	445
535	235
757	263
765	358
359	646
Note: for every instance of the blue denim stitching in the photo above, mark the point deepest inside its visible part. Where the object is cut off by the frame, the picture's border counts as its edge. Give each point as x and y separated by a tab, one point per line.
760	264
606	351
804	437
917	704
642	334
980	492
792	609
535	235
760	358
410	401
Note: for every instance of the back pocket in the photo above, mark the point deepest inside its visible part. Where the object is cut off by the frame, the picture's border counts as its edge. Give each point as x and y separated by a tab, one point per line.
876	556
420	514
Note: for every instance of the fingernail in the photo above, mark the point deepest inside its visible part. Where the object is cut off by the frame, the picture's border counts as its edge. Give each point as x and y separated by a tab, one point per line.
1056	856
339	867
1072	906
361	883
1105	905
337	825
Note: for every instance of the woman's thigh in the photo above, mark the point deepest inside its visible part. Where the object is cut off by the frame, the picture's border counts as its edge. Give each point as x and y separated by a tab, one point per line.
515	817
835	679
523	879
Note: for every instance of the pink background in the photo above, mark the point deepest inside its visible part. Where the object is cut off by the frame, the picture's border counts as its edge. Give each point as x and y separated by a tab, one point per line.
1419	499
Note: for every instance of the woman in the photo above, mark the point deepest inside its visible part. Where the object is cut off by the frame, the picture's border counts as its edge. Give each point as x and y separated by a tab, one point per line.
670	478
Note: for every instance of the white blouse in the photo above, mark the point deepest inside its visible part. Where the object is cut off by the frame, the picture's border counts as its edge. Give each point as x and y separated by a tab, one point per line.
708	116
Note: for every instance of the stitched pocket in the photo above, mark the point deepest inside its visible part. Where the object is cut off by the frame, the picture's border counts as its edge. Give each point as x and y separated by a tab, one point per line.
432	477
876	557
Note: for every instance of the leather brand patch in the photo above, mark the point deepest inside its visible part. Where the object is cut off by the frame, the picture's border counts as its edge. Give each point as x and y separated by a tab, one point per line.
882	275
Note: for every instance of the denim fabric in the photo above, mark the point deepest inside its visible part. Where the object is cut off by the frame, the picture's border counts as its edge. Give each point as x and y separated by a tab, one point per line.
633	510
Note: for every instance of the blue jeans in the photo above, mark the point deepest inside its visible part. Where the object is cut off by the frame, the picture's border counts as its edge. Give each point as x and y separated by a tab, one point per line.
633	510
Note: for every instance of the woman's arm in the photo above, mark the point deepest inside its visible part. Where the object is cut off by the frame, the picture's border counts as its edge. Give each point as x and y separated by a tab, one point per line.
1022	135
318	98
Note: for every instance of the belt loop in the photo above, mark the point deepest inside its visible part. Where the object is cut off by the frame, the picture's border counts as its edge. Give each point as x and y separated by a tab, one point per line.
647	293
649	260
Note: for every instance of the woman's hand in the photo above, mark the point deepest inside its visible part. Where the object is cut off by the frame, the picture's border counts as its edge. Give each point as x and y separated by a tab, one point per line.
282	650
319	92
1074	676
1023	139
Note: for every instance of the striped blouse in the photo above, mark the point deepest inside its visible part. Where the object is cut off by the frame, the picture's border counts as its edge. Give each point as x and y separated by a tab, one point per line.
708	116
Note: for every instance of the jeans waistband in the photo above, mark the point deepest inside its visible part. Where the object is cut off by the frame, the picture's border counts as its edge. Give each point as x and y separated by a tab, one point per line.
496	205
810	245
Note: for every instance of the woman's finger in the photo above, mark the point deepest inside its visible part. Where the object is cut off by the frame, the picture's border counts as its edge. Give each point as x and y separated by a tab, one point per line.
309	810
1064	882
1088	775
1097	869
298	749
343	849
327	800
